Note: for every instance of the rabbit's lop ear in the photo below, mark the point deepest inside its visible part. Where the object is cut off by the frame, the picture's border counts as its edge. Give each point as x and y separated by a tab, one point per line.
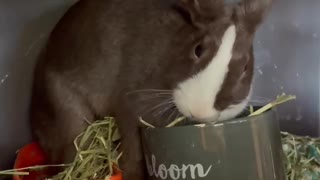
252	12
201	12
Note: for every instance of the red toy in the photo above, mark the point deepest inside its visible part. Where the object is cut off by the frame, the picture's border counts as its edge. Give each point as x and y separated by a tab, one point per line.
32	155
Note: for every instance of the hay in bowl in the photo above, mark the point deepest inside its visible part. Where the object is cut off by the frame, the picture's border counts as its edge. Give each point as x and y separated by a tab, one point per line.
97	156
283	98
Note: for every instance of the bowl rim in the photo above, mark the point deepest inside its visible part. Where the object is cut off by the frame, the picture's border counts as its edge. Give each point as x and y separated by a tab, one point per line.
237	120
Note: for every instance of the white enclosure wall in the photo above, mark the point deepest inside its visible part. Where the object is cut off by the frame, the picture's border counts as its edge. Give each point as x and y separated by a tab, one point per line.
24	27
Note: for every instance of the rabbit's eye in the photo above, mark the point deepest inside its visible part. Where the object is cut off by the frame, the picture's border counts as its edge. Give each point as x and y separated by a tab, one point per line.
198	51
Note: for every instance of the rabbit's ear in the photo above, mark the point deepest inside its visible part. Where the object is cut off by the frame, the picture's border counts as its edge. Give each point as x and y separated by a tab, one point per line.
252	12
201	12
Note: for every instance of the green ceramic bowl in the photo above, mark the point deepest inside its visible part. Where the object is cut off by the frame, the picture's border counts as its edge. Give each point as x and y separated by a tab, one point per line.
247	148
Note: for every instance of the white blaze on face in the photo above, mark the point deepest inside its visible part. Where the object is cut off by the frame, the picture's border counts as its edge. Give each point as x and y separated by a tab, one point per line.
195	96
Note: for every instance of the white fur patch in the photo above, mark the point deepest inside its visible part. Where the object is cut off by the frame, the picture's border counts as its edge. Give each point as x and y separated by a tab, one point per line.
234	110
195	96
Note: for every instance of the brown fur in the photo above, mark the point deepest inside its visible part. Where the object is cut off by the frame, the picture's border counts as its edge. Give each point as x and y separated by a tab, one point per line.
102	51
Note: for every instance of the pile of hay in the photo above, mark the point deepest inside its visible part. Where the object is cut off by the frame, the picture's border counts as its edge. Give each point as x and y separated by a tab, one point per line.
97	153
302	157
97	156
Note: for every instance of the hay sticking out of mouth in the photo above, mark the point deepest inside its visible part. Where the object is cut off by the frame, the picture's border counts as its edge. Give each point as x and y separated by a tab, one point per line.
279	100
97	153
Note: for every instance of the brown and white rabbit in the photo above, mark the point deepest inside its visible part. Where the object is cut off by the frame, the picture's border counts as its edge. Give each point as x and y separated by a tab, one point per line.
158	59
